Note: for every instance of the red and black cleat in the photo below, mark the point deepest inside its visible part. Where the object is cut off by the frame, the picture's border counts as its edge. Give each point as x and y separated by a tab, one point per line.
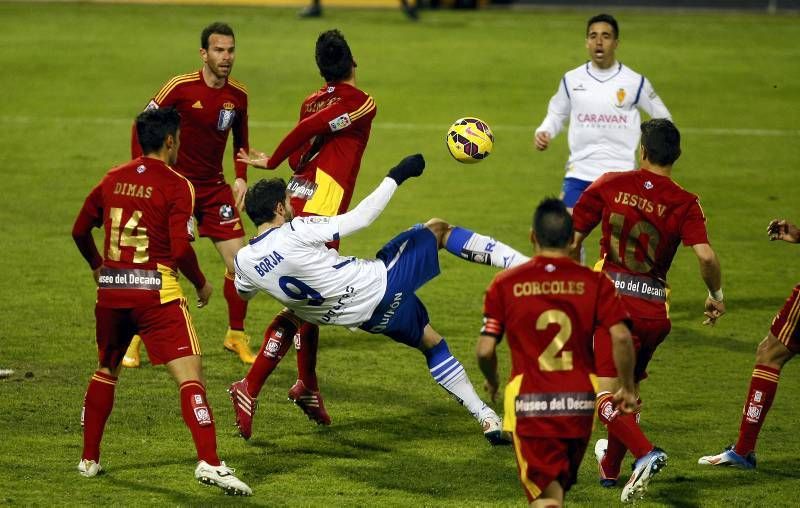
310	402
244	406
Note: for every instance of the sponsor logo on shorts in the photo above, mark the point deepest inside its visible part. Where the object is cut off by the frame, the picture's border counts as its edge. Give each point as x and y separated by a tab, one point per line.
340	122
226	212
273	345
388	314
129	279
536	405
753	412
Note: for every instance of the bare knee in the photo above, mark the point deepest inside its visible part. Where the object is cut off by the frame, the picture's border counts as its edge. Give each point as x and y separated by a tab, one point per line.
440	229
772	352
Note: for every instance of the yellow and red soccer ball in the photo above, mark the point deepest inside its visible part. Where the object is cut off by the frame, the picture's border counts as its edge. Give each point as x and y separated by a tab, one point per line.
469	140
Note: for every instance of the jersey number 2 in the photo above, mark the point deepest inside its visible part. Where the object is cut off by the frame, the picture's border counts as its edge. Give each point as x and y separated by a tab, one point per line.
132	235
549	361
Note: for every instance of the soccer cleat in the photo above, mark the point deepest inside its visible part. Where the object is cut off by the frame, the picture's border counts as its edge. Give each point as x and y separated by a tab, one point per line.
236	341
730	458
643	470
89	468
310	402
492	426
244	407
132	359
600	448
221	476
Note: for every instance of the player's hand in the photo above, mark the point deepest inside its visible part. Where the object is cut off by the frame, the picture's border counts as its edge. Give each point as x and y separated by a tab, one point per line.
203	294
96	274
409	167
713	311
239	190
254	158
491	389
541	140
781	229
626	401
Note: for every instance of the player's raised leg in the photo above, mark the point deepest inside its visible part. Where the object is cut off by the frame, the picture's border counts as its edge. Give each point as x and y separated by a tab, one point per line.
475	247
236	340
305	392
771	355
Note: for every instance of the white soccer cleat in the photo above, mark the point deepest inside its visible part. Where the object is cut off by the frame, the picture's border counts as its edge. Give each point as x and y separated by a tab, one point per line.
729	458
89	468
492	426
600	448
643	470
221	476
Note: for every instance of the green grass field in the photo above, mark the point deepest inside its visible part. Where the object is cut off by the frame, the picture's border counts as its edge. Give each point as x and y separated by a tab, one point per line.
77	74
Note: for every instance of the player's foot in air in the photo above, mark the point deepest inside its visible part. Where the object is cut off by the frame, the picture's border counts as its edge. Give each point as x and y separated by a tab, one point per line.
244	407
221	476
310	402
312	11
730	458
643	470
89	468
492	426
236	341
132	359
606	480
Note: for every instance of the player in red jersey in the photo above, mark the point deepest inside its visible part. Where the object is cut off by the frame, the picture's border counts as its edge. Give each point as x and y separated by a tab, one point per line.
548	308
324	152
645	216
145	208
780	345
212	104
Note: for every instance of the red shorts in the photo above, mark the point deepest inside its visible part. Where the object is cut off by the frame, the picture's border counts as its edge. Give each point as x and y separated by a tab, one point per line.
647	335
216	212
166	331
784	326
542	460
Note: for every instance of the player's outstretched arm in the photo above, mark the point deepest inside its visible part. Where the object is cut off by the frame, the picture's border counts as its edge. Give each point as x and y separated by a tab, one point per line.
781	229
371	206
711	272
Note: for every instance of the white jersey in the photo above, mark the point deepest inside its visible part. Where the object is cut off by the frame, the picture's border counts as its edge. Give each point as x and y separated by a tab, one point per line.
292	264
604	122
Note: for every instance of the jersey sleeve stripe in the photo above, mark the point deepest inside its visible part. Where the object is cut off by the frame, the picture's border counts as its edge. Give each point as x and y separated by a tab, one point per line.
171	84
363	110
191	187
566	90
238	85
639	91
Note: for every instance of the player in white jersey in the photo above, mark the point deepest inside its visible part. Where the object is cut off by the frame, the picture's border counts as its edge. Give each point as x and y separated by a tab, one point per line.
288	259
601	99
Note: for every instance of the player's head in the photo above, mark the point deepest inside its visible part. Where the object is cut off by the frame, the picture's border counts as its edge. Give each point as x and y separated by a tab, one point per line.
266	200
218	48
661	142
602	38
334	59
157	130
552	225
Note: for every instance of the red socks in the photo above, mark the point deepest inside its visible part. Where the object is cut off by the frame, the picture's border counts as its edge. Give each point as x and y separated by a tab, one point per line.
197	415
277	339
97	405
237	308
763	386
307	356
623	433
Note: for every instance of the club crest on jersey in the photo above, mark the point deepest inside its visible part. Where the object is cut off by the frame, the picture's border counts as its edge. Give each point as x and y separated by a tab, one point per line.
330	89
648	185
620	97
141	169
226	116
151	105
226	212
340	122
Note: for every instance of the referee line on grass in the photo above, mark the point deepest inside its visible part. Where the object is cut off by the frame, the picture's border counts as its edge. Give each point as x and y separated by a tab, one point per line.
707	131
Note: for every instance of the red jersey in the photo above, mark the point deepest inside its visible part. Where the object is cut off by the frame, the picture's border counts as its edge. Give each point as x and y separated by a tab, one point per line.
207	116
145	209
325	149
548	308
645	217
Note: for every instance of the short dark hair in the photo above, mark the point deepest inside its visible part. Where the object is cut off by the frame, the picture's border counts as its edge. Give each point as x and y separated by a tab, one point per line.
334	59
216	27
603	18
154	125
661	141
552	224
262	199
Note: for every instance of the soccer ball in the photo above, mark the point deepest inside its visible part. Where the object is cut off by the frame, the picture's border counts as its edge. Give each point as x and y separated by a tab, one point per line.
469	140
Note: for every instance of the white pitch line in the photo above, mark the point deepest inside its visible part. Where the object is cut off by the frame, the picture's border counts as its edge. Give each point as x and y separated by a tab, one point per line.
706	131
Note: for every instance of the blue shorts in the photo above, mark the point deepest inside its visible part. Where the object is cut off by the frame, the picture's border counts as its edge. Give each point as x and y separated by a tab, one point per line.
572	189
411	259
